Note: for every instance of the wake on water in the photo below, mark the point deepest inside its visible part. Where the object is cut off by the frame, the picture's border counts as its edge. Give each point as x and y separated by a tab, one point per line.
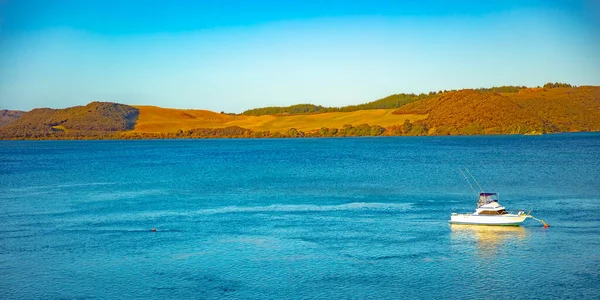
275	208
308	208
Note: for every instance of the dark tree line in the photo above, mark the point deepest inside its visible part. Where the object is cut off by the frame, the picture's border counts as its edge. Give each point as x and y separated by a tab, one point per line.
294	109
393	101
551	85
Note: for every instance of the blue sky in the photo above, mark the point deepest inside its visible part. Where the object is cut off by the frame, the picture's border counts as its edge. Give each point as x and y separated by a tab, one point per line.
235	55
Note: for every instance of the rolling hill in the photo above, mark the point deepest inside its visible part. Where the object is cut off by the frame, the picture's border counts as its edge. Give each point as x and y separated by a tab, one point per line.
503	110
539	109
94	119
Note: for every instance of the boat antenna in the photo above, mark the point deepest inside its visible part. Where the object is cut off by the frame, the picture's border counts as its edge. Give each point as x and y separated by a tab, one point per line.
469	182
480	188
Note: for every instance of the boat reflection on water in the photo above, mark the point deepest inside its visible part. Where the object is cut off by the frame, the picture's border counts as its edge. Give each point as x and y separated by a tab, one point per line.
488	239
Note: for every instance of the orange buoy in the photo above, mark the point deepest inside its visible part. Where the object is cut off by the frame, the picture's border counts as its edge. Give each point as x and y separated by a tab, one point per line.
546	225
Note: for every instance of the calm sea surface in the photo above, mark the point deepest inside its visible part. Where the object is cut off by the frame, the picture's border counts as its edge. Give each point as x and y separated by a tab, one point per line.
360	218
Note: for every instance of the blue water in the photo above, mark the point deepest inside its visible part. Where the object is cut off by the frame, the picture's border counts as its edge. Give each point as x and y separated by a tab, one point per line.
358	218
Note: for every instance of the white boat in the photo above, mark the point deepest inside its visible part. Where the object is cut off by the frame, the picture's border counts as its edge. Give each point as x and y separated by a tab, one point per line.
489	212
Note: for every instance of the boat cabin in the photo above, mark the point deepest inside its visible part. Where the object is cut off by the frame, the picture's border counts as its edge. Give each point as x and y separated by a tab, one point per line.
486	198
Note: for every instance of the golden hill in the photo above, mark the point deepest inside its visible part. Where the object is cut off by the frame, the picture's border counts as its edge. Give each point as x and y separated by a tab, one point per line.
542	109
158	120
154	119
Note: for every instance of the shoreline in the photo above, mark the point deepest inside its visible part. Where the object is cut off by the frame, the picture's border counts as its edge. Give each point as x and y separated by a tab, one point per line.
129	138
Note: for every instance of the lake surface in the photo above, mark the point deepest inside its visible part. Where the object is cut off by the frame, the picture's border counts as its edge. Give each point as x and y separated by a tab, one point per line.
358	218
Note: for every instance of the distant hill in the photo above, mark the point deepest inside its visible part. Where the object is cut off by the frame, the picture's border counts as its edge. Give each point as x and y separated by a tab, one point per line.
9	116
554	109
94	119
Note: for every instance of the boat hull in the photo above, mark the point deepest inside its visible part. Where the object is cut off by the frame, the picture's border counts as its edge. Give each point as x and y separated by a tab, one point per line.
500	220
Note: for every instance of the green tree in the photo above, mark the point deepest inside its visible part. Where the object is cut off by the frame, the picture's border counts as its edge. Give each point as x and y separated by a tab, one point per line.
363	130
407	126
293	132
324	131
377	130
348	130
419	129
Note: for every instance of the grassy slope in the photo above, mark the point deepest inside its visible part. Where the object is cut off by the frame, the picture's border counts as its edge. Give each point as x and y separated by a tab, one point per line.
159	120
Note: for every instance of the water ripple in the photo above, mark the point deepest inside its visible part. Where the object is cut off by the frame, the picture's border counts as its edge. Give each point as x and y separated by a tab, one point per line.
309	208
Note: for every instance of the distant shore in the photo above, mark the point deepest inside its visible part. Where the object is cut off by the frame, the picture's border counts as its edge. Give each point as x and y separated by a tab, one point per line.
503	110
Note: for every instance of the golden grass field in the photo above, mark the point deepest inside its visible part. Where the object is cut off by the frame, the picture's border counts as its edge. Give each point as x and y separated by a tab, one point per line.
162	120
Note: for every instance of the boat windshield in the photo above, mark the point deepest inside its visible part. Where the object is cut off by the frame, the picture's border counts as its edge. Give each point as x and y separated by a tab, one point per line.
485	198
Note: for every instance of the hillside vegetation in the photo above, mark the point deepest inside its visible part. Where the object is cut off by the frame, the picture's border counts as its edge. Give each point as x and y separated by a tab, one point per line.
9	116
554	109
94	119
393	101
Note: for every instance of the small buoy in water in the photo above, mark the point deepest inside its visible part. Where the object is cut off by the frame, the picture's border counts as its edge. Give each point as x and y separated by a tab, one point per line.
153	229
541	221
